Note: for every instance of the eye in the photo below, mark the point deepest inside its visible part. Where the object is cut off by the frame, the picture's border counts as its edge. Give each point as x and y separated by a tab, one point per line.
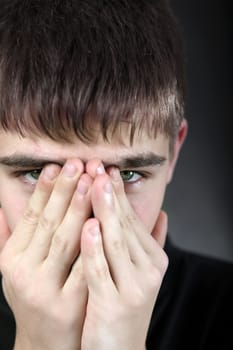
32	176
130	176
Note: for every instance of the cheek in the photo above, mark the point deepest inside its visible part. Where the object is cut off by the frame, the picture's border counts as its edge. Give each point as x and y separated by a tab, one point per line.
13	203
13	213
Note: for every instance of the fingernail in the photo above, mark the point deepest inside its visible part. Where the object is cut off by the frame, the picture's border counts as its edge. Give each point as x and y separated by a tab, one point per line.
69	170
82	187
94	231
115	174
100	170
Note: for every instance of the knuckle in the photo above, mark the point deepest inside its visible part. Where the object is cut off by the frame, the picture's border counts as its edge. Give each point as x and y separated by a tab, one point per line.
30	216
137	300
78	274
36	299
15	272
4	262
59	244
123	224
57	316
154	278
18	277
119	245
155	274
164	263
61	318
47	223
32	293
33	299
101	272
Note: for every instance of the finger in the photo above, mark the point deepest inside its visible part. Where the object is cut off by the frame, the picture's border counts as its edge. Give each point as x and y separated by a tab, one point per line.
127	214
112	229
76	284
160	230
95	167
65	244
55	209
140	243
95	265
26	227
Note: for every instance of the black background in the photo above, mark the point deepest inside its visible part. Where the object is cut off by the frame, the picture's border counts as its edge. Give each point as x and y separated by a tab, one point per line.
199	199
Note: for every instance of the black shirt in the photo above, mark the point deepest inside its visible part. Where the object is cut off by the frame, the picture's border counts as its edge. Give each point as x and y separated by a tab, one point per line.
194	309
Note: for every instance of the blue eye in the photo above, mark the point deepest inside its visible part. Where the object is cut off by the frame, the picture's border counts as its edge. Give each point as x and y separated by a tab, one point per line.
32	176
130	176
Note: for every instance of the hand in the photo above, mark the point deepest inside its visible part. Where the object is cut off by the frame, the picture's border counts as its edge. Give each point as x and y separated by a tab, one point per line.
42	270
124	266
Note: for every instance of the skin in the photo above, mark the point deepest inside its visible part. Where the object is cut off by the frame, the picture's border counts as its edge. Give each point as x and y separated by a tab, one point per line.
66	275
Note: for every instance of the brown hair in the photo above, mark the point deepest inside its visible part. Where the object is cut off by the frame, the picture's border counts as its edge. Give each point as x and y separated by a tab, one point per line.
66	64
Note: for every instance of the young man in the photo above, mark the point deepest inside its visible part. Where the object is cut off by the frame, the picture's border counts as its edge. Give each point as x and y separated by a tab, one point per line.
91	125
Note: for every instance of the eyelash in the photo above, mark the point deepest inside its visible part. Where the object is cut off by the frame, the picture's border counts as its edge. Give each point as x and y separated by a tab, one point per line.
23	174
140	176
133	173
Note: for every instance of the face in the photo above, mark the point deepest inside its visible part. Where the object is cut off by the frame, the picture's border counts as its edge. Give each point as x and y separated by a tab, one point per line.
145	166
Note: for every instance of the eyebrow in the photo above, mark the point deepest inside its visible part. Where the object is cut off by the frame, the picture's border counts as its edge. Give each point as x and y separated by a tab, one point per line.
140	160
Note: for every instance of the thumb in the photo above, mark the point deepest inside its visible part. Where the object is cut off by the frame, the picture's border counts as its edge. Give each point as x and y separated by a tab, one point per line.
4	230
160	229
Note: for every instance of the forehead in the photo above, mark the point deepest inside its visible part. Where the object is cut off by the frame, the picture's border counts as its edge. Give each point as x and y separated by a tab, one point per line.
12	143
